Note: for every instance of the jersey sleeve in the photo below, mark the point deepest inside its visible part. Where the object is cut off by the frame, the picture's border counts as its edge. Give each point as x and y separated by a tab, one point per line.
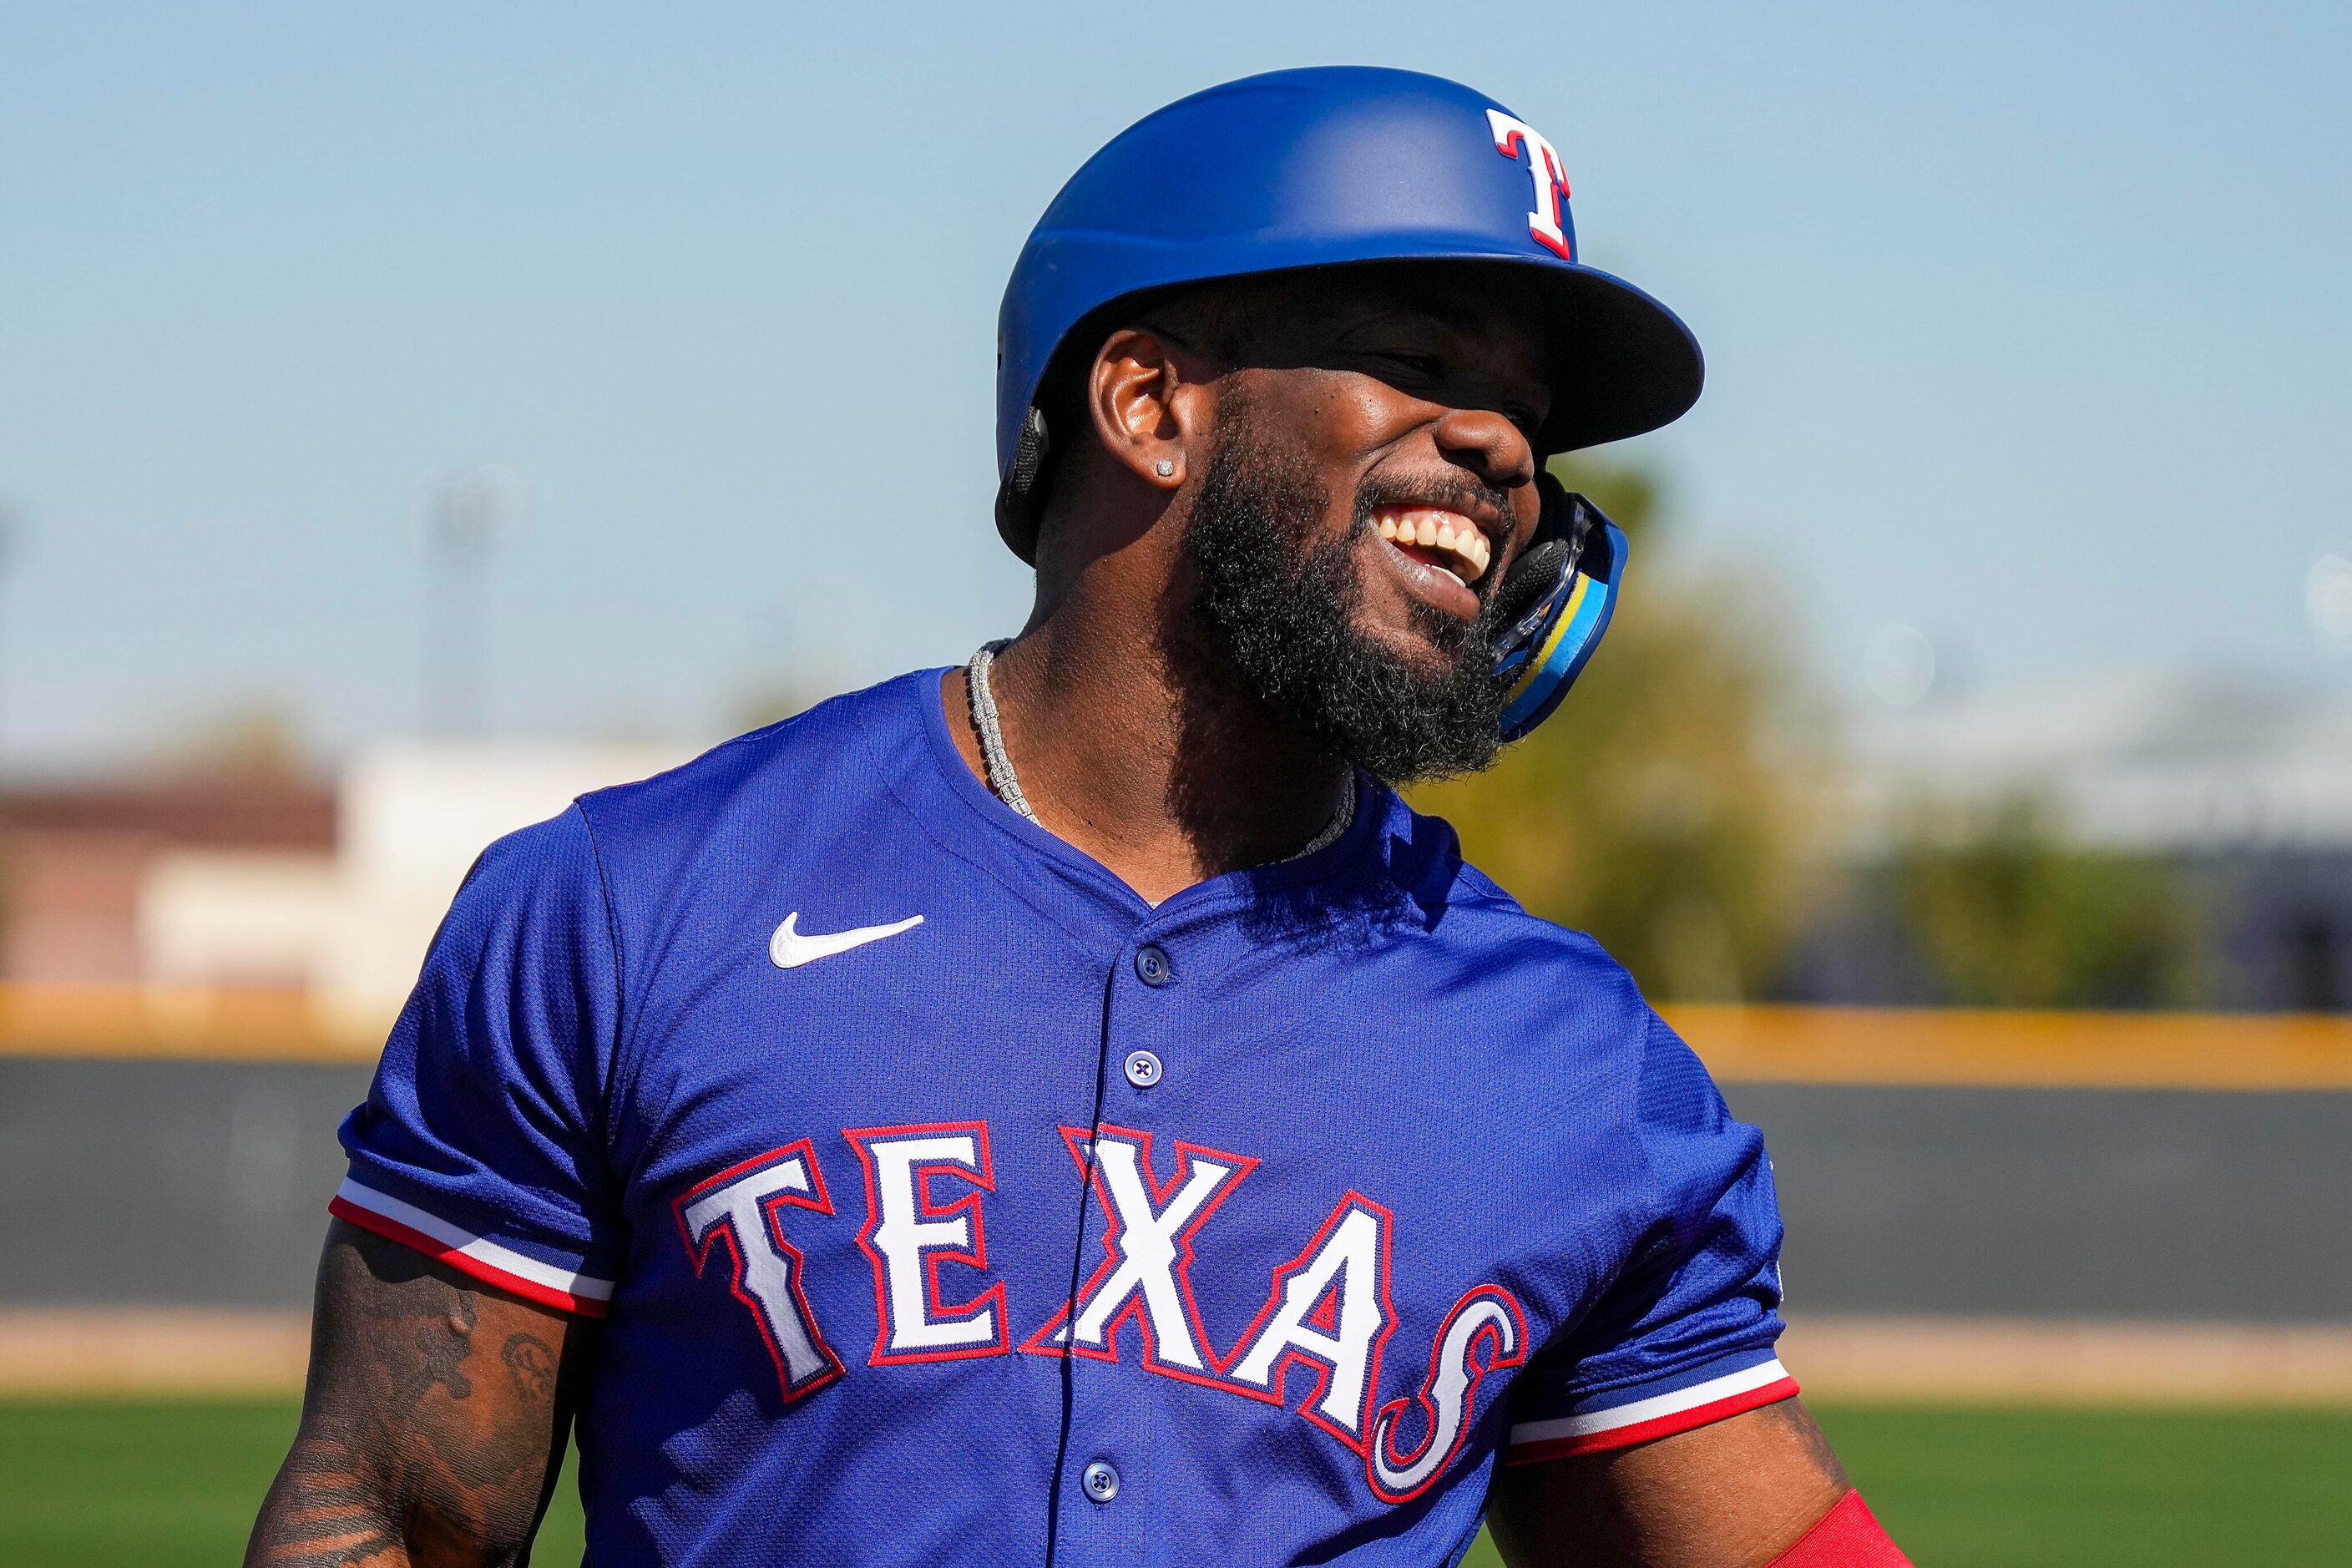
1685	1334
482	1140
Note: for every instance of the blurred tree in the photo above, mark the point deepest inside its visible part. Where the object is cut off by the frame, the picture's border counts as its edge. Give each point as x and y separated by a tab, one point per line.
771	701
2006	915
257	738
1669	807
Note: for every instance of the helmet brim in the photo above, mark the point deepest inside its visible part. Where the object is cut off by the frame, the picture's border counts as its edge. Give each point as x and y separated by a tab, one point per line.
1625	365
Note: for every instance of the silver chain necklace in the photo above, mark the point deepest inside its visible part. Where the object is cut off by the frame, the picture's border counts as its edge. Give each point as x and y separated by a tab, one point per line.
1000	777
1006	784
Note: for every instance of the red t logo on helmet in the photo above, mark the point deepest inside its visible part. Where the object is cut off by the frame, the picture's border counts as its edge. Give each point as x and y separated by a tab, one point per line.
1544	167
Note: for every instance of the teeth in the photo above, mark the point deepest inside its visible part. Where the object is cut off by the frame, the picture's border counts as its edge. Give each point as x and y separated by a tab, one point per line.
1435	529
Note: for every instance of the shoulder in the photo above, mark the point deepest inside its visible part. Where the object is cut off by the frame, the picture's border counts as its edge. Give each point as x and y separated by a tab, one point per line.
542	879
751	798
1601	1053
1569	1011
1623	1106
1519	950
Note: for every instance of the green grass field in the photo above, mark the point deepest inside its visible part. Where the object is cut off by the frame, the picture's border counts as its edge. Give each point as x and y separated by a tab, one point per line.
93	1485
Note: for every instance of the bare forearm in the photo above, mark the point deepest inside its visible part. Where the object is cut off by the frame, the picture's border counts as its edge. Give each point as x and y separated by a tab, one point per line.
433	1419
333	1507
326	1511
1730	1495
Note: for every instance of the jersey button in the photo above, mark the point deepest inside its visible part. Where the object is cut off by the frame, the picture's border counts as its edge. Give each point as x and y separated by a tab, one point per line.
1100	1480
1151	966
1143	1069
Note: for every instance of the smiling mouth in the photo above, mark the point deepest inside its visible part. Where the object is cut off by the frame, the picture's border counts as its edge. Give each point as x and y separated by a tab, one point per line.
1437	537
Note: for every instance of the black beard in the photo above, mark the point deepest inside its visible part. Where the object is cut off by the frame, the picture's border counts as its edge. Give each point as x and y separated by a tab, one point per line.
1282	611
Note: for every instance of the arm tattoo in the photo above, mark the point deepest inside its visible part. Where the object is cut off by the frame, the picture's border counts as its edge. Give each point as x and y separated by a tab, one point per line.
337	1519
410	1452
532	1365
442	1348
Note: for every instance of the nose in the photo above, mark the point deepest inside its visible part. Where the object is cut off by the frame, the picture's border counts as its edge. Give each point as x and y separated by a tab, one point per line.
1490	446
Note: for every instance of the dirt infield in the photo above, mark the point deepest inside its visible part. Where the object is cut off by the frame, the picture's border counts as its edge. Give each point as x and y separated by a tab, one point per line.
1925	1361
147	1351
2016	1360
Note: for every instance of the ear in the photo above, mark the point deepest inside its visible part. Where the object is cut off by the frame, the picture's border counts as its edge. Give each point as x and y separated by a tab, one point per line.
1146	412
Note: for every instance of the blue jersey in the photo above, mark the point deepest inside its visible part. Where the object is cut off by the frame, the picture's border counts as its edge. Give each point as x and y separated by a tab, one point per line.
949	1203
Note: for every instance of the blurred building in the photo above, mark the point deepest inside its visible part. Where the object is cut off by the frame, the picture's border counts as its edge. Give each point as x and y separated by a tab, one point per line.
2242	791
83	866
326	890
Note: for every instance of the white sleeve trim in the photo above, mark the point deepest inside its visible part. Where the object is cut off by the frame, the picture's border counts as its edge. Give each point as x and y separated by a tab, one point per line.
488	1254
1650	1409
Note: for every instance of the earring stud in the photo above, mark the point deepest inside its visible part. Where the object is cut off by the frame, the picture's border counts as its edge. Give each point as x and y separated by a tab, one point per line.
1167	467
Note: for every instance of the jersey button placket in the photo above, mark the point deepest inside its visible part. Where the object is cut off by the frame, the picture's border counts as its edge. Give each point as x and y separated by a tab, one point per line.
1141	1065
1111	1523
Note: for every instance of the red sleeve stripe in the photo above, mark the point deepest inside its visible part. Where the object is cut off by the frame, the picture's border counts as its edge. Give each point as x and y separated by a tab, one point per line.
1661	1416
469	1254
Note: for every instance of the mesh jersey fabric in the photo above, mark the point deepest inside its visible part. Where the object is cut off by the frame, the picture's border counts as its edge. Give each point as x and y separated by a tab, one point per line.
895	1249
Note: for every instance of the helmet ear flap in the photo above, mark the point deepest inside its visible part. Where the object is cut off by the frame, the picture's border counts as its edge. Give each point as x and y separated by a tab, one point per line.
1537	569
1023	491
1554	604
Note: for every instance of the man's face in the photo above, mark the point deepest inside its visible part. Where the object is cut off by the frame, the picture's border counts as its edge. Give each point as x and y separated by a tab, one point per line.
1371	477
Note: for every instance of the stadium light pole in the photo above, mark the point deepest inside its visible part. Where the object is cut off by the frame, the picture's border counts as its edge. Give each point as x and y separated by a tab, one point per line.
469	516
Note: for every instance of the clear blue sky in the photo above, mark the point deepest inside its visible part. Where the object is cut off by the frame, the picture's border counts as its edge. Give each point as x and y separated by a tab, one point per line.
2027	324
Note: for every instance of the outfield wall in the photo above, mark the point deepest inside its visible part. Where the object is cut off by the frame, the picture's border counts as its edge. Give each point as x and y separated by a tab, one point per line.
2151	1204
1952	1165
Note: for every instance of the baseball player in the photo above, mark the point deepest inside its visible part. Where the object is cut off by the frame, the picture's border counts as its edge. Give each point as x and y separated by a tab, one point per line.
1067	1109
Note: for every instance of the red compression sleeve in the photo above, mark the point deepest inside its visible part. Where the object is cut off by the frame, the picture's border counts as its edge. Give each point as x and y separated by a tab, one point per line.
1846	1536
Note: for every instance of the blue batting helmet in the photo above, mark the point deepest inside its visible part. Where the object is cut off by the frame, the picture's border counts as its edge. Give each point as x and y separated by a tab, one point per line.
1315	168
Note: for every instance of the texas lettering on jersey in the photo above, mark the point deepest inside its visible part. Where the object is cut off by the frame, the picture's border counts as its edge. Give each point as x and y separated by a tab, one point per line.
1327	1309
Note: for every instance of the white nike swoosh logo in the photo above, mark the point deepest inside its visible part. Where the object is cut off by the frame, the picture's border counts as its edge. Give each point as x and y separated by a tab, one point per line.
790	949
